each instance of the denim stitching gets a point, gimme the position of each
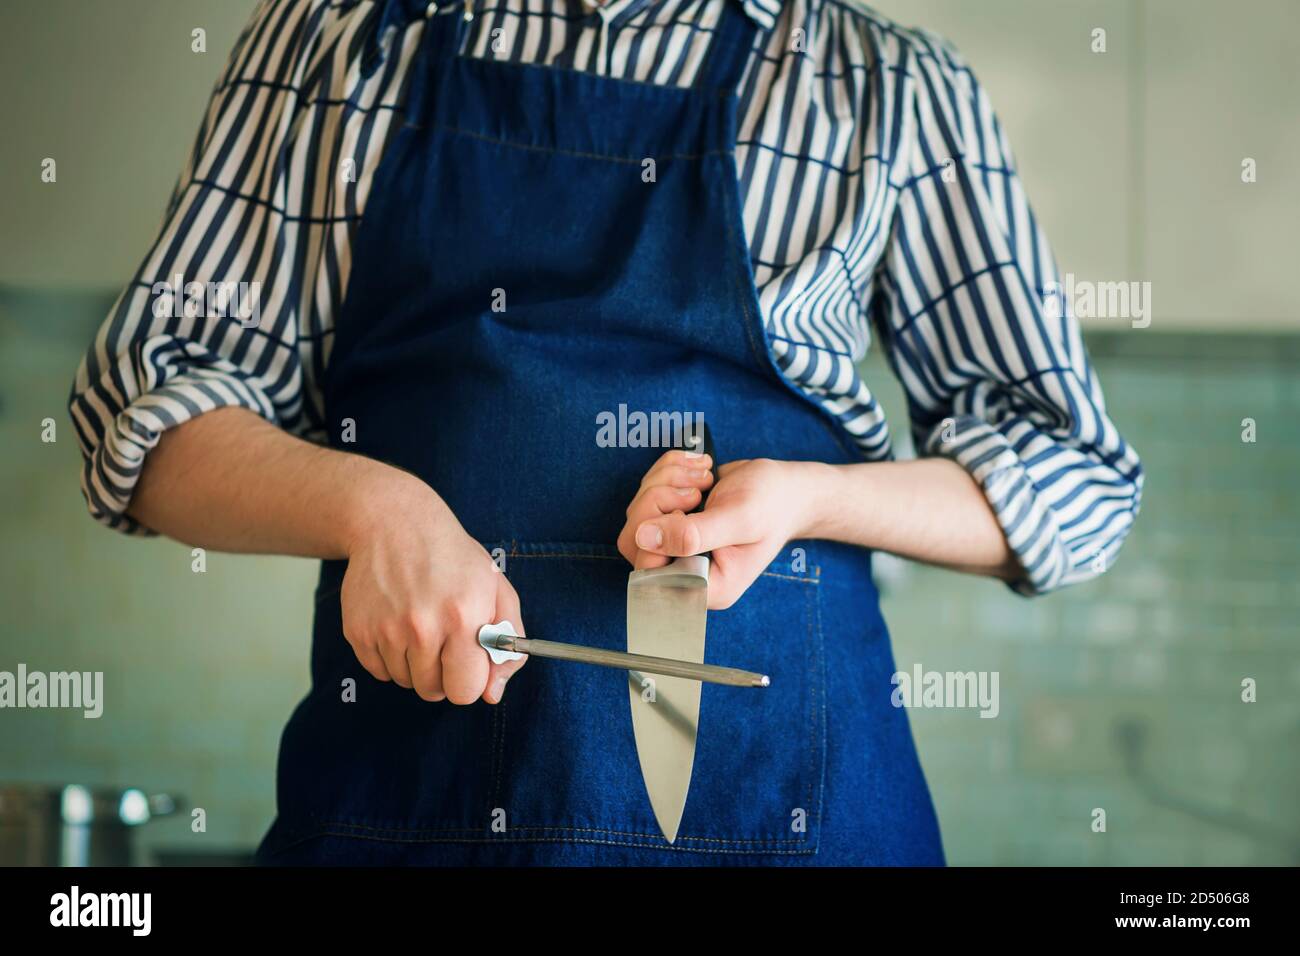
(541, 829)
(574, 153)
(818, 780)
(498, 753)
(771, 851)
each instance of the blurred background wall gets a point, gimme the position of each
(1123, 695)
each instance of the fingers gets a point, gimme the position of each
(676, 482)
(662, 500)
(392, 648)
(464, 662)
(680, 534)
(507, 610)
(363, 646)
(680, 468)
(412, 602)
(372, 661)
(433, 652)
(424, 656)
(653, 502)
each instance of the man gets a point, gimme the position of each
(476, 229)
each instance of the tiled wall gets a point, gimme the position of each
(1205, 593)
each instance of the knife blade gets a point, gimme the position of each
(667, 609)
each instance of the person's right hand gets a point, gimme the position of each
(416, 591)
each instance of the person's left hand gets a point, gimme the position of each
(756, 507)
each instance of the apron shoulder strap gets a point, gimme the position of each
(444, 32)
(384, 18)
(729, 50)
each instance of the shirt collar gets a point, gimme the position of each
(762, 12)
(618, 12)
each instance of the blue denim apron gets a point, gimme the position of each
(530, 183)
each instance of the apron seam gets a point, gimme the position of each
(374, 832)
(572, 153)
(544, 828)
(498, 753)
(487, 841)
(747, 293)
(813, 612)
(817, 769)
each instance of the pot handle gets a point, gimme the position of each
(135, 808)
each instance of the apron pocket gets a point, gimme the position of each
(565, 767)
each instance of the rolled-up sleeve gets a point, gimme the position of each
(210, 319)
(995, 371)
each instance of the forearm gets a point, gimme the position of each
(928, 510)
(230, 481)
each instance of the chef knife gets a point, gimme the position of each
(666, 610)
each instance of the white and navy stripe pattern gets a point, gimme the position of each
(878, 190)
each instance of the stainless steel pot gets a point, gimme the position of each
(73, 825)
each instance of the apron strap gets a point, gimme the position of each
(729, 50)
(444, 32)
(386, 18)
(724, 64)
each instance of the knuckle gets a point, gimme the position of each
(423, 630)
(425, 640)
(454, 615)
(357, 638)
(356, 631)
(388, 634)
(673, 536)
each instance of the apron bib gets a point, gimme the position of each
(543, 249)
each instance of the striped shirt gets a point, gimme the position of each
(879, 195)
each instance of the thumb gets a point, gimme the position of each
(681, 534)
(507, 610)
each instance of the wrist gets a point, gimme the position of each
(814, 492)
(378, 494)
